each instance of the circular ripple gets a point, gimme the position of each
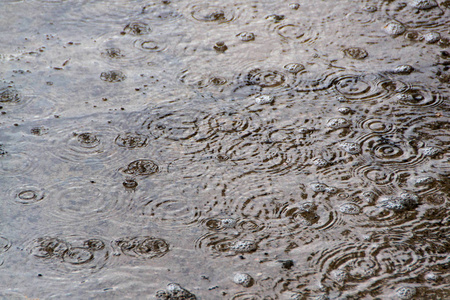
(23, 103)
(391, 152)
(149, 45)
(15, 164)
(212, 14)
(362, 265)
(131, 140)
(300, 33)
(376, 174)
(366, 87)
(28, 194)
(225, 224)
(174, 124)
(87, 144)
(413, 14)
(419, 96)
(142, 246)
(376, 125)
(141, 167)
(80, 199)
(225, 244)
(123, 50)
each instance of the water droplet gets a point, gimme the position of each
(220, 47)
(211, 13)
(243, 279)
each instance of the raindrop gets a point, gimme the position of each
(356, 53)
(394, 28)
(246, 36)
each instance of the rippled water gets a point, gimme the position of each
(225, 149)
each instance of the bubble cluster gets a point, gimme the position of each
(112, 76)
(356, 53)
(143, 246)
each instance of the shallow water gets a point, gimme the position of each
(224, 149)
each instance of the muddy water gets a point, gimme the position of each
(224, 149)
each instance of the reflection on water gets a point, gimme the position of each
(224, 150)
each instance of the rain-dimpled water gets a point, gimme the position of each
(236, 150)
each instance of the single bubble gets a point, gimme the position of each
(264, 99)
(394, 28)
(431, 151)
(220, 47)
(344, 110)
(244, 246)
(130, 184)
(294, 68)
(356, 53)
(246, 36)
(337, 123)
(432, 37)
(243, 279)
(174, 291)
(131, 140)
(294, 6)
(87, 139)
(403, 69)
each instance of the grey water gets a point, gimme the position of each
(228, 149)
